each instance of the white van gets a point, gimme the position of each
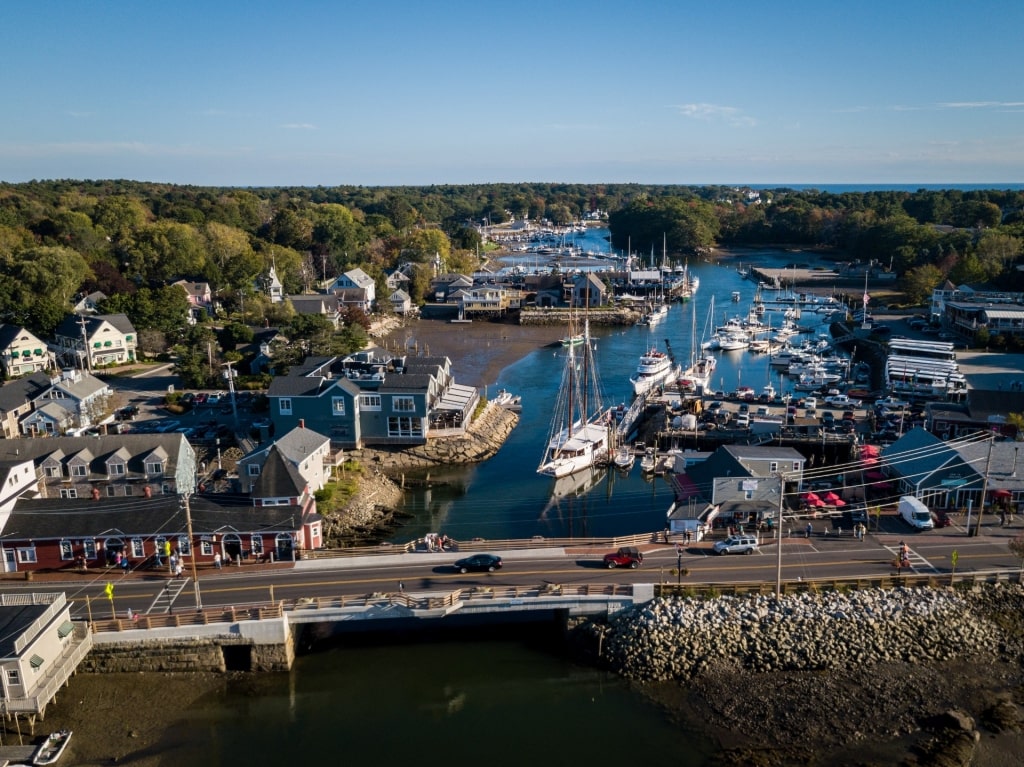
(915, 513)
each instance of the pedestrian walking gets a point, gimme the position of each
(401, 587)
(809, 529)
(217, 561)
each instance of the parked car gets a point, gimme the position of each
(736, 544)
(127, 413)
(201, 398)
(941, 518)
(626, 556)
(486, 563)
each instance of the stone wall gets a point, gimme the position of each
(598, 316)
(482, 439)
(181, 655)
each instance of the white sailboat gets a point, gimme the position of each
(579, 426)
(696, 377)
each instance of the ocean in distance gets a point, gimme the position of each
(842, 188)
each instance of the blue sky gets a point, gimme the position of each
(335, 92)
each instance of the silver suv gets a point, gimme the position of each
(736, 544)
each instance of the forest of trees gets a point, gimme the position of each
(129, 239)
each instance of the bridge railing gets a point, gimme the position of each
(483, 544)
(425, 601)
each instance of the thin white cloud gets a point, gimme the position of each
(299, 126)
(715, 112)
(112, 148)
(981, 104)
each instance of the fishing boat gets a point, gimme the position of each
(51, 749)
(624, 458)
(578, 437)
(572, 340)
(650, 460)
(654, 369)
(509, 401)
(735, 296)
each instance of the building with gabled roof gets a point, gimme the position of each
(308, 451)
(22, 353)
(96, 341)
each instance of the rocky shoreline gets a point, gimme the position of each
(903, 674)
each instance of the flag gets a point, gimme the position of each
(866, 299)
(109, 591)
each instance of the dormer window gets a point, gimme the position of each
(154, 467)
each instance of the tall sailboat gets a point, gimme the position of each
(579, 432)
(702, 364)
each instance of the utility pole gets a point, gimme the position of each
(85, 342)
(192, 551)
(778, 533)
(230, 375)
(984, 485)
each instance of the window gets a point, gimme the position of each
(79, 470)
(13, 677)
(52, 471)
(796, 466)
(256, 543)
(253, 469)
(65, 550)
(111, 491)
(748, 494)
(403, 426)
(115, 469)
(89, 547)
(138, 548)
(206, 547)
(27, 555)
(68, 492)
(284, 406)
(369, 401)
(184, 546)
(338, 405)
(403, 404)
(773, 467)
(156, 467)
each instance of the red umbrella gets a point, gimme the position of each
(869, 461)
(816, 502)
(1001, 493)
(833, 499)
(869, 450)
(810, 497)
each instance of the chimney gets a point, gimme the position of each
(302, 423)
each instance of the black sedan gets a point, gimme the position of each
(479, 563)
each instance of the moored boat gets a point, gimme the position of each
(579, 426)
(654, 369)
(51, 749)
(624, 458)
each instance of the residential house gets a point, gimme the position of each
(200, 299)
(355, 288)
(108, 466)
(307, 451)
(73, 400)
(318, 303)
(104, 339)
(89, 303)
(983, 410)
(484, 300)
(399, 279)
(401, 302)
(16, 401)
(266, 347)
(372, 398)
(444, 287)
(41, 648)
(21, 352)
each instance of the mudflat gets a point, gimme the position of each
(479, 350)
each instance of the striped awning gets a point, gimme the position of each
(65, 628)
(36, 661)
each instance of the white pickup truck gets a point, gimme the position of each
(841, 401)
